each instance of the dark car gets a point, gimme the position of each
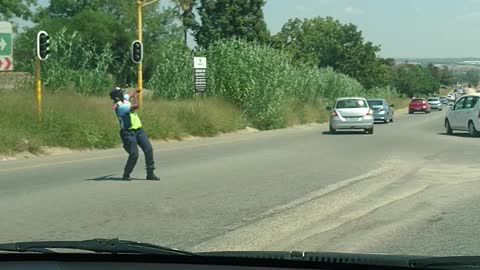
(382, 111)
(419, 105)
(444, 100)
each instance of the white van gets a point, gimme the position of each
(464, 115)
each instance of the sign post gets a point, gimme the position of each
(6, 47)
(200, 75)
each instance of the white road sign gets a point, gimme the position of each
(199, 62)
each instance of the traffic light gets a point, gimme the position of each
(43, 45)
(137, 51)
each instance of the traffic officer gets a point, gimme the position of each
(132, 132)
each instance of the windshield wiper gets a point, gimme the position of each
(112, 246)
(329, 258)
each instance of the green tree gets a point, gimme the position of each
(184, 9)
(110, 23)
(446, 76)
(16, 8)
(324, 42)
(472, 77)
(230, 19)
(435, 71)
(414, 80)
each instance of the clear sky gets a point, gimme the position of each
(403, 28)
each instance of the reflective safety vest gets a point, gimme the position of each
(128, 120)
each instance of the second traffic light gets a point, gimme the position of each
(43, 45)
(137, 51)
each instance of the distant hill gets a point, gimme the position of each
(457, 64)
(440, 61)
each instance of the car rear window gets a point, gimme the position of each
(375, 102)
(351, 103)
(433, 99)
(418, 100)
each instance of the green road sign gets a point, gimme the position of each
(5, 44)
(6, 48)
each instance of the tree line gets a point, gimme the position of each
(109, 25)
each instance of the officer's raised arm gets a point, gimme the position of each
(136, 105)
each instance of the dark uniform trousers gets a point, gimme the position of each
(132, 138)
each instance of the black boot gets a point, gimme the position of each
(151, 176)
(126, 177)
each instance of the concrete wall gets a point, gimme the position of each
(10, 81)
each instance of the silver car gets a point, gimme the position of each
(351, 113)
(435, 103)
(382, 111)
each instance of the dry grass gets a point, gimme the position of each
(78, 122)
(399, 102)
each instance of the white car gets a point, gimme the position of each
(464, 115)
(351, 113)
(435, 103)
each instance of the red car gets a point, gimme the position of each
(419, 105)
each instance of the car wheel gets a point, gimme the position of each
(385, 121)
(369, 130)
(427, 111)
(391, 119)
(410, 112)
(448, 128)
(472, 131)
(332, 130)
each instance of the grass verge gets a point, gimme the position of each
(399, 102)
(79, 122)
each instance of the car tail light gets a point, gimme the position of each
(370, 112)
(334, 113)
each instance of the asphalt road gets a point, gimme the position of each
(406, 189)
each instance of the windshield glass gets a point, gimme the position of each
(418, 101)
(375, 102)
(351, 103)
(220, 125)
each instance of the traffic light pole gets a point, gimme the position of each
(140, 5)
(139, 66)
(42, 51)
(38, 87)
